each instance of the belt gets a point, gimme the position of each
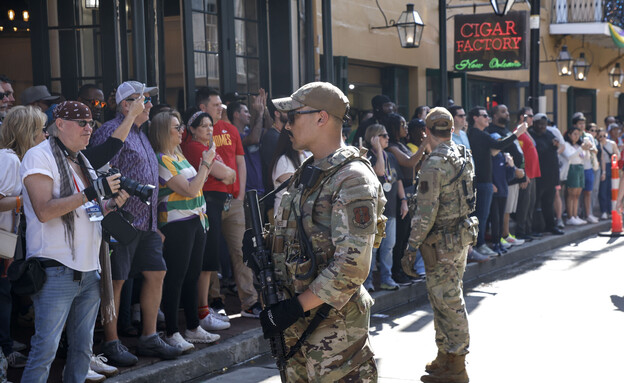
(54, 263)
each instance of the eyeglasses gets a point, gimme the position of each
(83, 123)
(180, 128)
(592, 130)
(600, 137)
(2, 95)
(291, 114)
(98, 103)
(147, 99)
(460, 115)
(384, 135)
(484, 115)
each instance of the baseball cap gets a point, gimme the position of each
(440, 118)
(317, 95)
(232, 97)
(36, 93)
(128, 88)
(540, 116)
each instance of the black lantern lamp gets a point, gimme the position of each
(502, 11)
(616, 76)
(410, 27)
(564, 62)
(581, 68)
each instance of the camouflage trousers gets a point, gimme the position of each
(338, 350)
(445, 271)
(3, 367)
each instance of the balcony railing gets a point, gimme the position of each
(588, 11)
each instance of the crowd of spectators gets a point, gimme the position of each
(189, 230)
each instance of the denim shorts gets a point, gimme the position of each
(142, 254)
(589, 180)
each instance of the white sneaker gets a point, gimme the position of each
(603, 217)
(98, 364)
(573, 221)
(505, 244)
(485, 250)
(178, 342)
(581, 221)
(211, 323)
(514, 241)
(221, 317)
(592, 219)
(199, 335)
(94, 377)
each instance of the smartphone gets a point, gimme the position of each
(360, 141)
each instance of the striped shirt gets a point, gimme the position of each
(173, 207)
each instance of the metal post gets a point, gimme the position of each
(138, 41)
(533, 99)
(443, 63)
(328, 51)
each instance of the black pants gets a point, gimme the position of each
(403, 228)
(214, 208)
(545, 195)
(497, 212)
(526, 206)
(183, 251)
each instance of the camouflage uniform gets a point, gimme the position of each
(339, 216)
(443, 231)
(3, 367)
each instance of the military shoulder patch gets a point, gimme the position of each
(423, 187)
(361, 217)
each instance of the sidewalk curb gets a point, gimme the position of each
(250, 343)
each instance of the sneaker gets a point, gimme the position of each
(505, 244)
(389, 285)
(16, 359)
(603, 217)
(592, 219)
(560, 224)
(485, 250)
(98, 365)
(252, 312)
(475, 256)
(221, 317)
(19, 346)
(573, 222)
(178, 342)
(581, 221)
(199, 335)
(514, 241)
(212, 323)
(153, 345)
(93, 377)
(118, 354)
(401, 278)
(218, 306)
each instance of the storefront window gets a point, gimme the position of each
(206, 43)
(246, 46)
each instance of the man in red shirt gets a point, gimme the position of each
(526, 196)
(229, 198)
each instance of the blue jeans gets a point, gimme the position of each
(485, 191)
(604, 194)
(63, 303)
(385, 253)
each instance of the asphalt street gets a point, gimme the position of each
(556, 318)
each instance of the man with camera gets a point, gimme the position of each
(137, 161)
(62, 198)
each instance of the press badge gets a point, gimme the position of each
(93, 211)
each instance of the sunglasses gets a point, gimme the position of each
(83, 123)
(147, 99)
(3, 95)
(484, 115)
(98, 103)
(293, 113)
(592, 130)
(384, 135)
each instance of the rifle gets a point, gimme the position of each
(266, 274)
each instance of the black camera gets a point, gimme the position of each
(133, 187)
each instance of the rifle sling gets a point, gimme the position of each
(320, 315)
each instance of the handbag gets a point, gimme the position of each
(9, 240)
(119, 227)
(27, 276)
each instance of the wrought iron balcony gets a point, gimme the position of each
(588, 11)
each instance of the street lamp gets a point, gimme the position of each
(564, 62)
(616, 76)
(581, 68)
(504, 10)
(409, 26)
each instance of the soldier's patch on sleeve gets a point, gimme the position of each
(361, 216)
(423, 187)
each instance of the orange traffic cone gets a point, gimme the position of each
(616, 222)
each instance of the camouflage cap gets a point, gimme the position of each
(317, 95)
(440, 118)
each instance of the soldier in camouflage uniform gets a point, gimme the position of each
(3, 367)
(339, 211)
(443, 230)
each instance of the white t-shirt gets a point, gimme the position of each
(47, 240)
(574, 154)
(10, 184)
(283, 166)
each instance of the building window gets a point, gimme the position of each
(206, 43)
(246, 46)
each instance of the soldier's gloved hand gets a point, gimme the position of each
(407, 262)
(280, 316)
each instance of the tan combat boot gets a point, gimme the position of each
(453, 371)
(437, 363)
